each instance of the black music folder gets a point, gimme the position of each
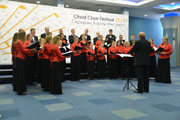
(112, 53)
(33, 45)
(90, 54)
(119, 52)
(77, 48)
(65, 44)
(101, 53)
(62, 50)
(67, 53)
(82, 44)
(160, 49)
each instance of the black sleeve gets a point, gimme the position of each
(133, 49)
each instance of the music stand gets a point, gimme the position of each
(128, 82)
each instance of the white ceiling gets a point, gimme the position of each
(137, 11)
(95, 5)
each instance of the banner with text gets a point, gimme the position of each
(15, 15)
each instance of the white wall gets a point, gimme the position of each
(31, 15)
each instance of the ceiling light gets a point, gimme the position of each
(145, 15)
(172, 3)
(99, 10)
(38, 2)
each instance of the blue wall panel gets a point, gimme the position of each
(152, 27)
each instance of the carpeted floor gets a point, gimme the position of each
(94, 100)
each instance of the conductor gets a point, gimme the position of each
(142, 49)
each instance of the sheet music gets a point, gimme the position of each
(155, 48)
(66, 52)
(125, 55)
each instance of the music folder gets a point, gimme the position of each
(62, 50)
(77, 48)
(90, 54)
(33, 45)
(101, 53)
(112, 53)
(65, 44)
(125, 55)
(67, 53)
(160, 49)
(119, 52)
(82, 44)
(107, 45)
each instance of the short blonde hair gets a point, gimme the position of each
(48, 39)
(56, 39)
(166, 38)
(22, 36)
(126, 43)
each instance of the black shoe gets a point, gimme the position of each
(23, 93)
(146, 91)
(137, 92)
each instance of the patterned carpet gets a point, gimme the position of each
(94, 100)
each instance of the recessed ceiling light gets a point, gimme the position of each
(99, 10)
(172, 3)
(38, 2)
(145, 15)
(66, 5)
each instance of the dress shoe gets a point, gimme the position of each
(138, 92)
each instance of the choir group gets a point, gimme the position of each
(48, 60)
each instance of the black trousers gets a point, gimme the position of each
(119, 65)
(164, 75)
(20, 82)
(36, 68)
(83, 60)
(75, 68)
(55, 83)
(101, 68)
(39, 77)
(30, 64)
(142, 73)
(153, 69)
(14, 73)
(63, 68)
(90, 68)
(112, 68)
(45, 74)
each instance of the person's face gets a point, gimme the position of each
(126, 45)
(83, 37)
(110, 32)
(97, 33)
(121, 37)
(60, 31)
(73, 31)
(42, 41)
(33, 32)
(30, 37)
(86, 31)
(118, 44)
(62, 36)
(132, 37)
(164, 41)
(91, 46)
(101, 38)
(76, 40)
(47, 30)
